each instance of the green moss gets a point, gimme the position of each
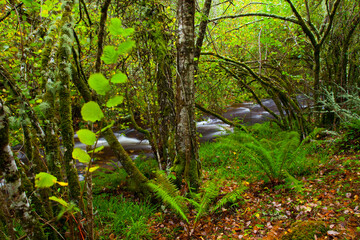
(306, 230)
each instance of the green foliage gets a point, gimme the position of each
(230, 198)
(208, 193)
(110, 55)
(44, 180)
(125, 47)
(122, 217)
(114, 101)
(116, 28)
(105, 181)
(351, 136)
(86, 136)
(91, 112)
(168, 193)
(99, 83)
(119, 78)
(59, 200)
(272, 160)
(81, 155)
(268, 130)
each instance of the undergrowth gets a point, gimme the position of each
(116, 216)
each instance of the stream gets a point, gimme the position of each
(209, 128)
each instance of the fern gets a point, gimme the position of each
(210, 192)
(231, 198)
(292, 182)
(272, 157)
(170, 200)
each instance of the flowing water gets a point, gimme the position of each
(209, 128)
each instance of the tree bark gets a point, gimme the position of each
(8, 169)
(66, 125)
(187, 165)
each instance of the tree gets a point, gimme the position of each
(187, 166)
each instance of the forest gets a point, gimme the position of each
(187, 119)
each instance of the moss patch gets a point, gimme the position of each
(305, 230)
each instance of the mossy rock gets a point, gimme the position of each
(305, 230)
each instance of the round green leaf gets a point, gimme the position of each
(86, 136)
(81, 155)
(44, 180)
(91, 112)
(99, 83)
(110, 55)
(119, 78)
(112, 102)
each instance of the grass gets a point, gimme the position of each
(119, 217)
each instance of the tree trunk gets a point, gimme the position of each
(187, 166)
(66, 125)
(8, 169)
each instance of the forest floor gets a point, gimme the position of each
(330, 196)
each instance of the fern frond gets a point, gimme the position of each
(210, 192)
(231, 197)
(170, 200)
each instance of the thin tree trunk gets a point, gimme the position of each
(187, 166)
(66, 125)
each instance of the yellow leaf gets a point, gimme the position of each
(64, 184)
(93, 169)
(39, 101)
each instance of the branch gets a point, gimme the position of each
(331, 20)
(256, 15)
(258, 100)
(5, 77)
(9, 12)
(225, 120)
(101, 34)
(202, 30)
(303, 25)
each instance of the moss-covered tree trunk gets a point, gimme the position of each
(66, 125)
(187, 166)
(9, 171)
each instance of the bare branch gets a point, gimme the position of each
(256, 15)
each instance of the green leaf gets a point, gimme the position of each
(59, 200)
(99, 83)
(44, 180)
(86, 136)
(119, 78)
(127, 32)
(116, 28)
(125, 47)
(81, 155)
(91, 112)
(98, 149)
(110, 55)
(112, 102)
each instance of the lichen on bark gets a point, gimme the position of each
(66, 125)
(8, 169)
